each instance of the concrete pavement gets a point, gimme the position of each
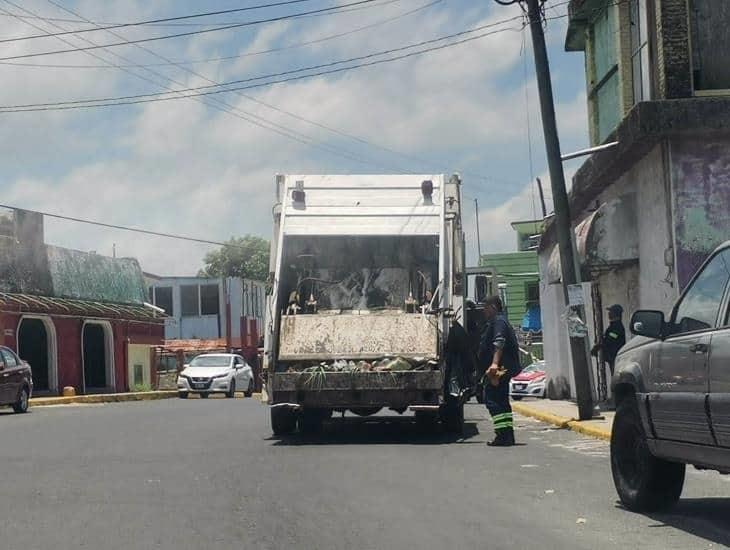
(207, 474)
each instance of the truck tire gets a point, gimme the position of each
(283, 420)
(426, 421)
(452, 416)
(312, 420)
(644, 483)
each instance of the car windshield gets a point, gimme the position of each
(211, 361)
(535, 367)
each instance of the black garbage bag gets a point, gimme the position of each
(460, 364)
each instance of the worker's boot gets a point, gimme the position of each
(504, 438)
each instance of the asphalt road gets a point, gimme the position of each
(206, 474)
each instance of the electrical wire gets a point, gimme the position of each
(218, 105)
(222, 58)
(188, 24)
(149, 21)
(206, 90)
(332, 9)
(123, 227)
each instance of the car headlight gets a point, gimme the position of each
(219, 376)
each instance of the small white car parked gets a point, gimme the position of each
(216, 373)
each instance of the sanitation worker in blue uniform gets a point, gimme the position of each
(499, 352)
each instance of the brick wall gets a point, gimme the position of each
(673, 56)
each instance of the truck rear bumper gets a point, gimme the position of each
(356, 390)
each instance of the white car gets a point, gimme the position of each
(531, 382)
(216, 373)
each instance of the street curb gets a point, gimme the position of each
(563, 422)
(103, 398)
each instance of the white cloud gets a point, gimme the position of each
(185, 167)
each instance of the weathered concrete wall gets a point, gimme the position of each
(701, 186)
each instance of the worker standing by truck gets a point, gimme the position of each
(498, 350)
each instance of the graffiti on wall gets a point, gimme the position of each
(701, 179)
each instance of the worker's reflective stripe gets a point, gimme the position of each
(503, 421)
(613, 334)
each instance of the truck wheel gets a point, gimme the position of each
(283, 420)
(311, 421)
(426, 421)
(452, 417)
(644, 482)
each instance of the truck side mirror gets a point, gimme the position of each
(648, 323)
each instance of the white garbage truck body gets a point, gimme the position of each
(366, 285)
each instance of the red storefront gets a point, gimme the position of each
(93, 346)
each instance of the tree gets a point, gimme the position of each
(246, 257)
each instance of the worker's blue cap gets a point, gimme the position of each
(616, 310)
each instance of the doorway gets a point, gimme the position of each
(37, 346)
(97, 356)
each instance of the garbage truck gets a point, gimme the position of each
(365, 306)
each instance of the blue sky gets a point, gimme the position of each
(185, 166)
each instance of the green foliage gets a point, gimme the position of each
(141, 388)
(246, 257)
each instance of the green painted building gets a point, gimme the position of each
(518, 274)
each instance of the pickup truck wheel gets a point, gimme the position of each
(21, 405)
(644, 482)
(283, 420)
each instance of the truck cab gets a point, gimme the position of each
(367, 299)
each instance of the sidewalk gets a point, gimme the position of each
(563, 414)
(103, 398)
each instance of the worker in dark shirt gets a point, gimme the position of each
(499, 354)
(613, 339)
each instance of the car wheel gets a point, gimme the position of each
(231, 393)
(283, 420)
(182, 394)
(204, 395)
(21, 405)
(249, 391)
(644, 482)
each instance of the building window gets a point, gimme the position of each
(604, 78)
(532, 292)
(710, 44)
(163, 298)
(189, 300)
(640, 59)
(209, 301)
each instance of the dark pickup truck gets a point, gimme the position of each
(672, 390)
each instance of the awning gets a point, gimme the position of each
(29, 303)
(605, 239)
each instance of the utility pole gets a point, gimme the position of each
(569, 265)
(479, 239)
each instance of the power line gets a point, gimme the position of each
(121, 227)
(188, 24)
(222, 58)
(199, 75)
(150, 21)
(155, 97)
(218, 105)
(332, 9)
